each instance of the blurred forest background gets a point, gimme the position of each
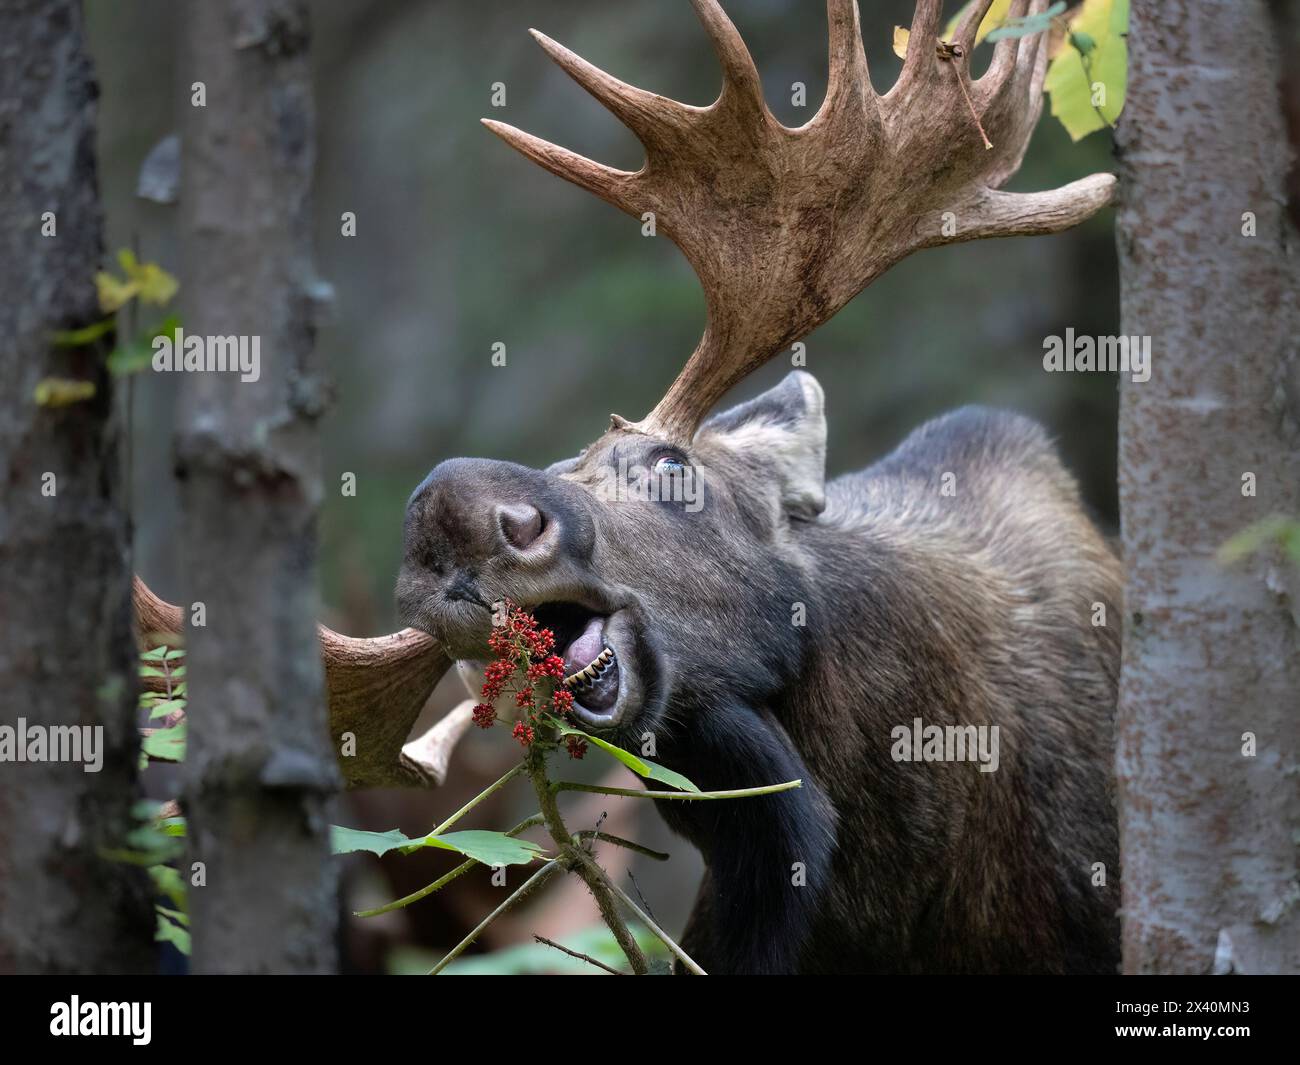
(461, 243)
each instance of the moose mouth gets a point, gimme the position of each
(593, 672)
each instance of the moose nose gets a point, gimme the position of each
(520, 523)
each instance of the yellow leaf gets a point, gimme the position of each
(156, 284)
(112, 292)
(900, 41)
(62, 391)
(993, 18)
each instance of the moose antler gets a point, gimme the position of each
(377, 689)
(784, 226)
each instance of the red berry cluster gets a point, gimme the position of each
(523, 663)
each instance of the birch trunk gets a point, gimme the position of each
(1211, 652)
(260, 771)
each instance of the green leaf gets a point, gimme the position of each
(168, 883)
(1279, 530)
(1083, 43)
(596, 941)
(490, 848)
(1100, 27)
(137, 354)
(1027, 25)
(166, 744)
(79, 338)
(62, 391)
(641, 766)
(168, 931)
(167, 706)
(155, 655)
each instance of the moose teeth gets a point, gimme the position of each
(591, 672)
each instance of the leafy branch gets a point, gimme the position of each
(525, 668)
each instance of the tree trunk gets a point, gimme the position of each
(66, 647)
(1211, 651)
(260, 771)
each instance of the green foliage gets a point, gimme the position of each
(1276, 530)
(136, 355)
(490, 848)
(539, 959)
(641, 766)
(1093, 58)
(144, 283)
(166, 744)
(156, 842)
(1024, 26)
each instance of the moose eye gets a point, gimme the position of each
(669, 465)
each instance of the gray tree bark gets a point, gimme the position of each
(66, 646)
(260, 769)
(1211, 652)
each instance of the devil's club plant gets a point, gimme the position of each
(523, 664)
(525, 668)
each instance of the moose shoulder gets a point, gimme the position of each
(763, 625)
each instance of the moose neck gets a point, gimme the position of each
(768, 857)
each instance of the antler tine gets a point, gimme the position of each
(969, 26)
(741, 84)
(1015, 102)
(650, 116)
(619, 187)
(848, 61)
(1010, 214)
(1038, 65)
(1005, 52)
(925, 28)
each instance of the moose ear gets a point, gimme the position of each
(785, 426)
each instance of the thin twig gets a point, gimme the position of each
(525, 889)
(576, 954)
(642, 916)
(593, 835)
(619, 841)
(519, 768)
(641, 894)
(739, 793)
(961, 84)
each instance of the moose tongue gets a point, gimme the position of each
(588, 644)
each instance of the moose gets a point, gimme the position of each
(787, 626)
